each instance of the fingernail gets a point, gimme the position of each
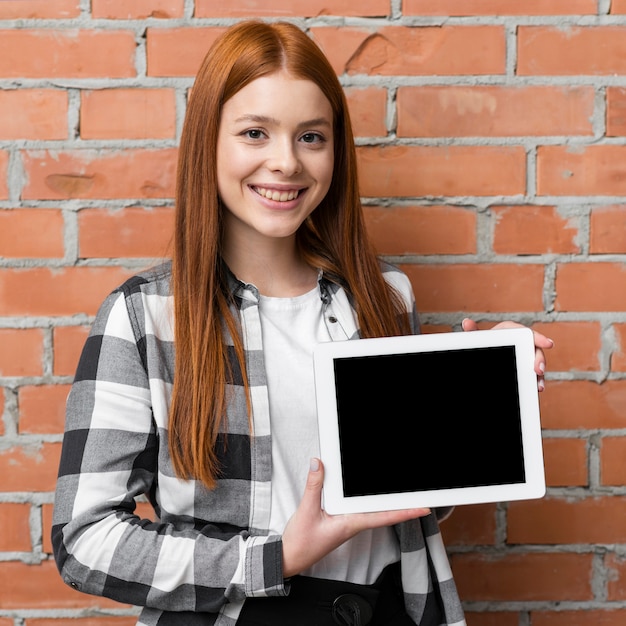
(314, 465)
(542, 367)
(541, 385)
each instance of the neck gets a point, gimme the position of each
(278, 271)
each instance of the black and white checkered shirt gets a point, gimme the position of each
(210, 550)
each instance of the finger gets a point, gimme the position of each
(541, 341)
(389, 518)
(467, 324)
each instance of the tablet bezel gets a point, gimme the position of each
(334, 500)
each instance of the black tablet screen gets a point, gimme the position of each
(429, 420)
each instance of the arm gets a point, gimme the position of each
(114, 449)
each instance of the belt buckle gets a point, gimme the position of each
(350, 609)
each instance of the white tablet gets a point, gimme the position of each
(429, 420)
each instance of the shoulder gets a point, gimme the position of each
(141, 295)
(153, 281)
(401, 285)
(397, 279)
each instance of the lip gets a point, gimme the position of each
(283, 195)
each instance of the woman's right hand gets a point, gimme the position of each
(310, 533)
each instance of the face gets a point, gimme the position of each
(274, 157)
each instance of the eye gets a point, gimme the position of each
(312, 138)
(254, 133)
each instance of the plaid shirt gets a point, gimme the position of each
(210, 550)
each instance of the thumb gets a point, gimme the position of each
(314, 482)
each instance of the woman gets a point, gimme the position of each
(271, 256)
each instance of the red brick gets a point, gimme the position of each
(586, 170)
(33, 113)
(414, 51)
(42, 408)
(453, 8)
(618, 7)
(137, 10)
(289, 8)
(607, 230)
(484, 287)
(83, 621)
(15, 524)
(39, 9)
(21, 351)
(18, 580)
(523, 577)
(577, 345)
(470, 525)
(534, 230)
(586, 617)
(67, 54)
(441, 170)
(558, 521)
(618, 358)
(178, 51)
(68, 342)
(128, 114)
(567, 405)
(132, 232)
(452, 111)
(29, 468)
(583, 287)
(571, 51)
(368, 110)
(615, 111)
(34, 233)
(436, 328)
(612, 467)
(144, 510)
(440, 229)
(496, 618)
(566, 462)
(100, 174)
(45, 291)
(616, 585)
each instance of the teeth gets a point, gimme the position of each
(277, 196)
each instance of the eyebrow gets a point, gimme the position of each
(264, 119)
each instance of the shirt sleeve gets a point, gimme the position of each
(111, 455)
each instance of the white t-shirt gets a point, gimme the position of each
(290, 328)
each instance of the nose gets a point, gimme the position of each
(284, 158)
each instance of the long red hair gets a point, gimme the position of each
(332, 239)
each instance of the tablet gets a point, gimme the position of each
(429, 420)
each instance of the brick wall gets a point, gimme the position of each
(491, 137)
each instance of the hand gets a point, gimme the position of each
(310, 533)
(541, 343)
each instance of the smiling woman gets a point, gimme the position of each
(196, 385)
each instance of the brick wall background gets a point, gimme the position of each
(492, 141)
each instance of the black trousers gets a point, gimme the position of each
(319, 602)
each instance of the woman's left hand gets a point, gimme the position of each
(541, 343)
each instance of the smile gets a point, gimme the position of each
(276, 195)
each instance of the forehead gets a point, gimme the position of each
(279, 95)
